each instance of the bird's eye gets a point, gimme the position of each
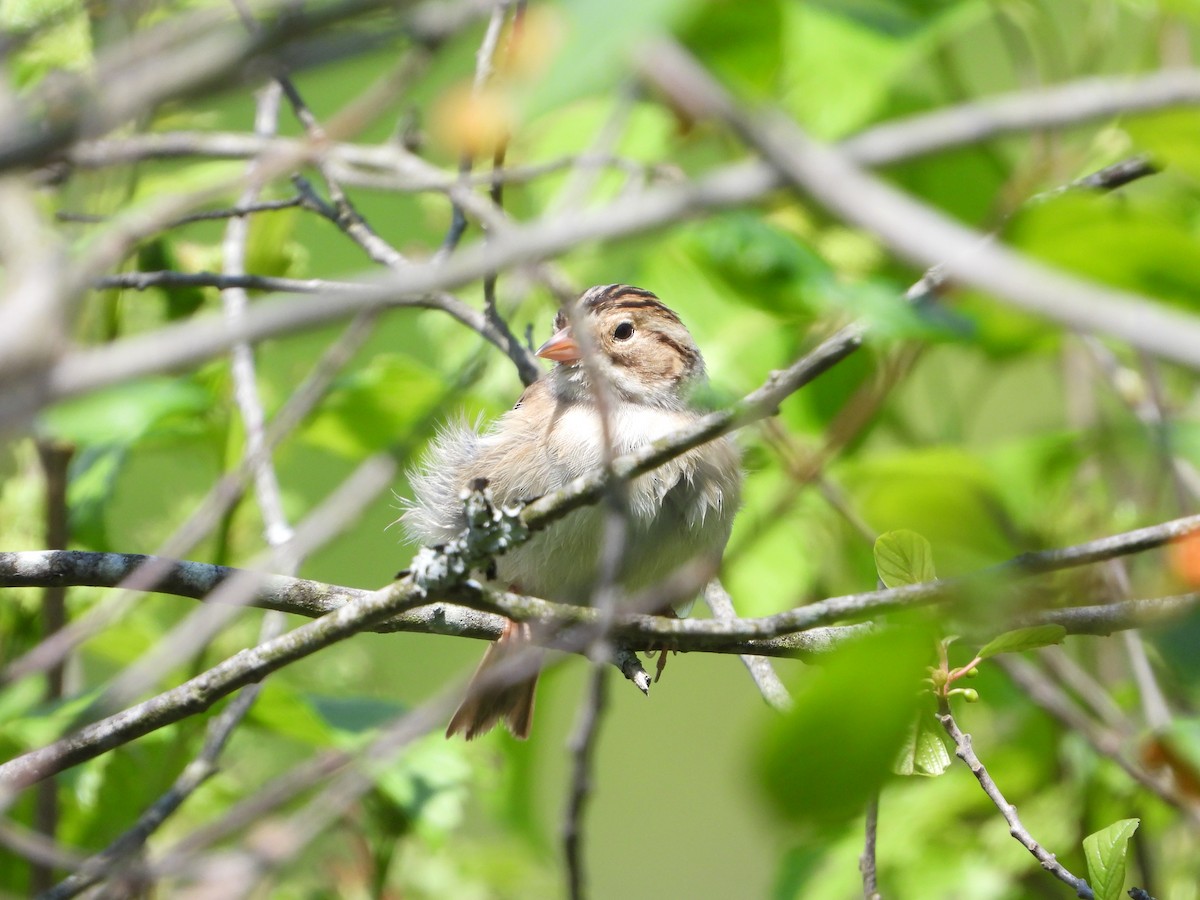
(624, 331)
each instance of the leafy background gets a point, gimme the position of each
(997, 434)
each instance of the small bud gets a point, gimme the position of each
(970, 695)
(973, 672)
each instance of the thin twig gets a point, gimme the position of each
(228, 212)
(765, 677)
(885, 144)
(866, 862)
(582, 747)
(55, 459)
(965, 752)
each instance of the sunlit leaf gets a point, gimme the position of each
(282, 710)
(821, 761)
(271, 249)
(61, 40)
(924, 751)
(944, 494)
(1121, 244)
(93, 476)
(772, 268)
(1023, 639)
(123, 415)
(903, 557)
(1169, 137)
(741, 42)
(430, 784)
(1105, 851)
(369, 409)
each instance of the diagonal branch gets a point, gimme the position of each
(919, 234)
(965, 752)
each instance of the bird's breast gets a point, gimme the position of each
(677, 512)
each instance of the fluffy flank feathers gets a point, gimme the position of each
(435, 514)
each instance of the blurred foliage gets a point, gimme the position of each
(969, 432)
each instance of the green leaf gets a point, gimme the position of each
(846, 73)
(797, 867)
(944, 493)
(1023, 639)
(93, 477)
(903, 557)
(924, 751)
(282, 710)
(741, 43)
(1105, 853)
(114, 789)
(431, 784)
(766, 264)
(124, 415)
(105, 426)
(372, 407)
(271, 249)
(1170, 137)
(355, 714)
(1128, 245)
(60, 40)
(821, 762)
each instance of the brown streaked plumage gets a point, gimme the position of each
(679, 512)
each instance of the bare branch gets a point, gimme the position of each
(866, 862)
(583, 748)
(1057, 106)
(761, 636)
(195, 54)
(889, 143)
(205, 216)
(965, 752)
(765, 678)
(917, 233)
(54, 459)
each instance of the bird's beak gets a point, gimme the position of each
(561, 347)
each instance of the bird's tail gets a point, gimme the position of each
(488, 704)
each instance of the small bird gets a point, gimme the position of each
(679, 512)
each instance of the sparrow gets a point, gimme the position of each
(678, 513)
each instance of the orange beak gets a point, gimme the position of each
(561, 347)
